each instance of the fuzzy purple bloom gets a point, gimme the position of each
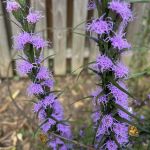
(38, 42)
(34, 16)
(120, 70)
(122, 139)
(102, 100)
(120, 96)
(21, 40)
(48, 83)
(64, 130)
(23, 67)
(111, 145)
(98, 97)
(42, 116)
(107, 121)
(95, 93)
(122, 114)
(104, 63)
(100, 26)
(122, 8)
(95, 116)
(46, 126)
(91, 5)
(34, 89)
(55, 143)
(101, 131)
(43, 73)
(48, 100)
(12, 5)
(120, 129)
(58, 110)
(118, 42)
(38, 106)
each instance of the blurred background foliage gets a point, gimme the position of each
(140, 86)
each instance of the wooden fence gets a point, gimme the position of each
(61, 16)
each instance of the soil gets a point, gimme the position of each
(18, 123)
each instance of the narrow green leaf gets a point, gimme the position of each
(124, 110)
(81, 99)
(138, 1)
(122, 89)
(39, 127)
(74, 28)
(94, 71)
(136, 75)
(90, 37)
(47, 57)
(83, 66)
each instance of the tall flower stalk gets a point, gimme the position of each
(47, 106)
(110, 99)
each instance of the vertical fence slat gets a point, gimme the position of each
(41, 26)
(4, 48)
(59, 25)
(79, 15)
(135, 26)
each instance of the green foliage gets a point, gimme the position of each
(139, 1)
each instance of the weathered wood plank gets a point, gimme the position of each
(4, 48)
(79, 15)
(135, 26)
(59, 8)
(41, 26)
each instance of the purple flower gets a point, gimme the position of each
(102, 99)
(23, 67)
(38, 106)
(12, 5)
(107, 122)
(101, 130)
(46, 126)
(119, 42)
(43, 73)
(120, 70)
(55, 143)
(95, 94)
(95, 117)
(100, 26)
(98, 97)
(122, 8)
(64, 130)
(111, 145)
(34, 16)
(42, 115)
(21, 39)
(91, 5)
(120, 96)
(49, 100)
(122, 114)
(104, 63)
(48, 83)
(48, 109)
(34, 89)
(122, 139)
(38, 42)
(58, 112)
(120, 129)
